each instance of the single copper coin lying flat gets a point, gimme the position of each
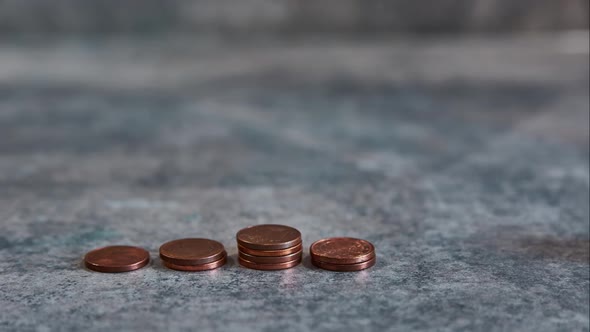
(271, 259)
(195, 268)
(345, 267)
(276, 266)
(192, 251)
(116, 259)
(342, 250)
(268, 237)
(271, 253)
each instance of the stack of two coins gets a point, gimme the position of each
(269, 247)
(193, 254)
(343, 254)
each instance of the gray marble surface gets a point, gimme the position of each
(464, 161)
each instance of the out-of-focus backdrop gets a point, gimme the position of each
(288, 18)
(452, 134)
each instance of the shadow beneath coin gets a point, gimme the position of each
(231, 261)
(82, 265)
(307, 263)
(157, 265)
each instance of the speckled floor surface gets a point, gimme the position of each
(464, 161)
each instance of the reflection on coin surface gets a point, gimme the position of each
(115, 259)
(268, 237)
(345, 267)
(271, 253)
(195, 268)
(271, 260)
(277, 266)
(192, 251)
(342, 250)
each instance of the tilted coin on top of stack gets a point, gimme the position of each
(269, 247)
(193, 254)
(343, 254)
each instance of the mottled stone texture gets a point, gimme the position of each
(464, 161)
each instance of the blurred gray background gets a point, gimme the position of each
(454, 135)
(286, 18)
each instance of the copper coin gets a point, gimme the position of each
(345, 267)
(271, 260)
(192, 251)
(268, 237)
(342, 250)
(270, 253)
(195, 268)
(277, 266)
(116, 259)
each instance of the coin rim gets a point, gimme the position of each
(116, 269)
(180, 261)
(269, 267)
(274, 246)
(196, 268)
(271, 253)
(334, 260)
(271, 259)
(345, 267)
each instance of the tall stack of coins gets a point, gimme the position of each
(193, 254)
(269, 247)
(343, 254)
